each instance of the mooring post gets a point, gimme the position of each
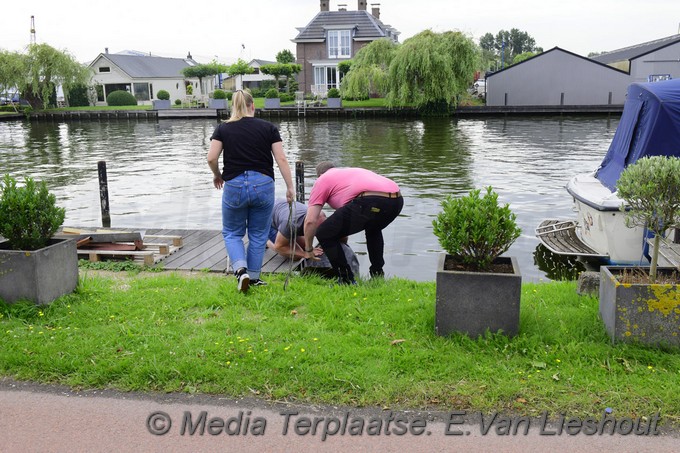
(104, 194)
(300, 181)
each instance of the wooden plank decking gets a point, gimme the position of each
(204, 250)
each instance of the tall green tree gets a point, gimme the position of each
(45, 68)
(240, 68)
(281, 70)
(501, 49)
(202, 71)
(431, 70)
(369, 70)
(285, 56)
(11, 70)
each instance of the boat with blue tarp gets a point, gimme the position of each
(649, 126)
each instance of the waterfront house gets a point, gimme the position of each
(334, 36)
(144, 75)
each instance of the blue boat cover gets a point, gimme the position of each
(649, 126)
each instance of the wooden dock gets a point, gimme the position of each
(200, 250)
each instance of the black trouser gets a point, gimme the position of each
(372, 214)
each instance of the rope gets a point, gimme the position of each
(292, 228)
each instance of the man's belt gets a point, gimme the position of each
(370, 193)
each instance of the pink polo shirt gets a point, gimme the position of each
(339, 186)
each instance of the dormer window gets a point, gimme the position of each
(339, 44)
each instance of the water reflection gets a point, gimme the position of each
(557, 267)
(158, 175)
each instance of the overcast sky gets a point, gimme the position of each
(227, 29)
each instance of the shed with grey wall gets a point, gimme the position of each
(557, 77)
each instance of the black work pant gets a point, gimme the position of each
(371, 214)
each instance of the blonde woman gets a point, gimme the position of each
(249, 146)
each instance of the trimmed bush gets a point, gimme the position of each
(29, 215)
(178, 102)
(120, 98)
(333, 93)
(272, 93)
(476, 229)
(78, 96)
(230, 94)
(219, 94)
(163, 95)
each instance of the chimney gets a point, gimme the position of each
(189, 56)
(362, 5)
(375, 10)
(324, 5)
(342, 7)
(106, 50)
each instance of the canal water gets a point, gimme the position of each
(158, 176)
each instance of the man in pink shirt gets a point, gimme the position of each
(362, 200)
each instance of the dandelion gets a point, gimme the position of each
(302, 349)
(228, 362)
(286, 348)
(315, 339)
(558, 360)
(40, 313)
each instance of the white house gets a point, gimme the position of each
(250, 81)
(144, 75)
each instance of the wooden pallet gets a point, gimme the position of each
(115, 244)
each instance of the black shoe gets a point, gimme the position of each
(376, 274)
(243, 280)
(258, 282)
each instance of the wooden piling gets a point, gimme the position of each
(104, 194)
(300, 181)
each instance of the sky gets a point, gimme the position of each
(225, 30)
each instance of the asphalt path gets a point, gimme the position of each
(47, 418)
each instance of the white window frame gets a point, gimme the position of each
(339, 43)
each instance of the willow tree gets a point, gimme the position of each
(45, 69)
(431, 70)
(370, 69)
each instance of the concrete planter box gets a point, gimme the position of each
(474, 302)
(272, 103)
(219, 104)
(639, 312)
(334, 103)
(159, 104)
(39, 275)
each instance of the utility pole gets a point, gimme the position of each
(32, 30)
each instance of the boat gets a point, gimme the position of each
(649, 126)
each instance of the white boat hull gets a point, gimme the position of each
(601, 225)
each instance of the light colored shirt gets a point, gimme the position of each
(339, 186)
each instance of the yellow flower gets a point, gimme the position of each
(301, 349)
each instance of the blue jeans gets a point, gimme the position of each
(247, 204)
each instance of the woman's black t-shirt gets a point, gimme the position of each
(247, 145)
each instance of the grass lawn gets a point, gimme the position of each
(368, 345)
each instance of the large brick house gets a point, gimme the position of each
(334, 36)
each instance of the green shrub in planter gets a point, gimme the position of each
(272, 93)
(219, 94)
(333, 93)
(29, 216)
(230, 94)
(476, 229)
(178, 102)
(651, 188)
(163, 95)
(120, 98)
